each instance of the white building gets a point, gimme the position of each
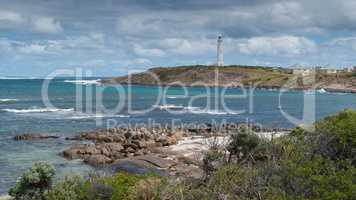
(220, 51)
(303, 72)
(331, 71)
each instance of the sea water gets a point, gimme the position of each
(23, 111)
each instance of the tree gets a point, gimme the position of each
(33, 184)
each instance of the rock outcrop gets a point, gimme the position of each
(34, 137)
(111, 145)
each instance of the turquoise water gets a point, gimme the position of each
(22, 110)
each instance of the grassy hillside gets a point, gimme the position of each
(236, 75)
(209, 75)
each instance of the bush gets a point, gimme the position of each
(334, 137)
(302, 165)
(146, 189)
(71, 188)
(99, 191)
(121, 184)
(33, 184)
(321, 164)
(242, 145)
(211, 161)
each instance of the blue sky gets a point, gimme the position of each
(113, 37)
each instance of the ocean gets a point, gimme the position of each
(79, 106)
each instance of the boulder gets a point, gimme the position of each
(114, 147)
(71, 154)
(166, 141)
(130, 150)
(139, 143)
(118, 138)
(90, 149)
(150, 144)
(80, 151)
(97, 160)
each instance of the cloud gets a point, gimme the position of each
(139, 50)
(92, 43)
(33, 49)
(192, 47)
(142, 61)
(5, 46)
(21, 22)
(11, 17)
(171, 32)
(348, 43)
(46, 25)
(278, 46)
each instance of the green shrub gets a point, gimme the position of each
(99, 191)
(242, 145)
(34, 183)
(146, 189)
(337, 136)
(211, 161)
(121, 184)
(70, 188)
(321, 164)
(319, 178)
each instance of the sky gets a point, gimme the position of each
(113, 37)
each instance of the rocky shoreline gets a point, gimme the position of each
(158, 149)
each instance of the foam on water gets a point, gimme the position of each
(84, 82)
(37, 110)
(193, 110)
(168, 106)
(90, 116)
(17, 78)
(8, 100)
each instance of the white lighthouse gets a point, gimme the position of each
(220, 51)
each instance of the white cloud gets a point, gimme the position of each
(142, 61)
(5, 45)
(46, 25)
(139, 50)
(283, 45)
(9, 16)
(91, 43)
(288, 14)
(33, 49)
(344, 42)
(188, 47)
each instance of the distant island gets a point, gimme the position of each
(247, 76)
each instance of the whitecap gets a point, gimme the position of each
(37, 110)
(193, 110)
(84, 82)
(8, 100)
(210, 112)
(90, 116)
(322, 91)
(18, 78)
(168, 106)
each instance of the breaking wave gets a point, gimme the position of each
(84, 82)
(176, 97)
(91, 116)
(8, 100)
(37, 110)
(169, 106)
(17, 78)
(193, 110)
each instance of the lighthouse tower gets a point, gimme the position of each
(220, 51)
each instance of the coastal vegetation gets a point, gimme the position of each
(320, 164)
(237, 76)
